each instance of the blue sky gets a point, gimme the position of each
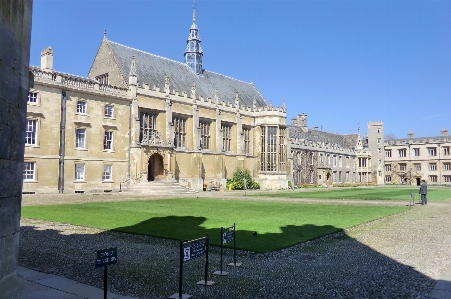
(343, 63)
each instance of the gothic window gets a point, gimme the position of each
(204, 134)
(282, 149)
(247, 140)
(226, 139)
(148, 126)
(269, 149)
(179, 132)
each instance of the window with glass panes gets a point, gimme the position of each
(179, 131)
(108, 140)
(80, 138)
(79, 172)
(148, 126)
(28, 171)
(417, 166)
(32, 98)
(81, 107)
(204, 134)
(282, 149)
(109, 111)
(31, 132)
(107, 172)
(247, 140)
(226, 137)
(269, 149)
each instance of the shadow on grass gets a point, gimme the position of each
(189, 227)
(148, 267)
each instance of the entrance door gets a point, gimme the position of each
(418, 182)
(155, 168)
(150, 172)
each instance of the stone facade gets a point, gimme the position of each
(409, 160)
(15, 30)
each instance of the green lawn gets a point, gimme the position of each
(278, 225)
(363, 193)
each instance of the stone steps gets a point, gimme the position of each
(160, 188)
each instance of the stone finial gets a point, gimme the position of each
(166, 84)
(47, 59)
(444, 132)
(237, 99)
(193, 91)
(216, 96)
(410, 134)
(283, 104)
(254, 103)
(132, 78)
(104, 34)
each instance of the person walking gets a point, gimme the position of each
(423, 191)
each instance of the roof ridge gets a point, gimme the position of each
(230, 77)
(182, 63)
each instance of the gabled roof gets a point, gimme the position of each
(152, 69)
(344, 141)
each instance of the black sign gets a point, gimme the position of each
(194, 250)
(227, 237)
(106, 257)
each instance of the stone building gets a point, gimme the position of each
(324, 158)
(409, 160)
(139, 117)
(15, 33)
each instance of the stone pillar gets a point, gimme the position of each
(15, 33)
(218, 131)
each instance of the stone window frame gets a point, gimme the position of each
(446, 166)
(433, 178)
(80, 137)
(108, 140)
(246, 140)
(387, 167)
(417, 166)
(33, 133)
(205, 134)
(388, 153)
(179, 131)
(82, 107)
(416, 152)
(402, 167)
(109, 111)
(226, 130)
(147, 124)
(432, 166)
(33, 98)
(447, 178)
(268, 155)
(446, 151)
(402, 152)
(107, 173)
(29, 168)
(79, 172)
(432, 151)
(387, 179)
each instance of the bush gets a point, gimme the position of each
(239, 179)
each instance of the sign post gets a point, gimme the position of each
(190, 250)
(106, 257)
(234, 248)
(412, 199)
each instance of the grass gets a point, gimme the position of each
(277, 224)
(363, 193)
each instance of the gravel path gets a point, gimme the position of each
(397, 257)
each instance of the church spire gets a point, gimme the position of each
(193, 52)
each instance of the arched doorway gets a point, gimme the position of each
(155, 168)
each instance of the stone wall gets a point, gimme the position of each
(15, 32)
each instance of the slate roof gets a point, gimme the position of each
(441, 138)
(152, 69)
(344, 141)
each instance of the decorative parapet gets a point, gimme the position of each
(76, 82)
(155, 139)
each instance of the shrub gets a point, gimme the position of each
(239, 178)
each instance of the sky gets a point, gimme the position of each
(343, 63)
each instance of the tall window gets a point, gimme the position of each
(108, 140)
(446, 151)
(79, 172)
(388, 153)
(247, 140)
(402, 167)
(81, 107)
(432, 151)
(179, 131)
(446, 166)
(226, 139)
(148, 125)
(416, 152)
(107, 172)
(433, 178)
(28, 171)
(80, 138)
(402, 152)
(269, 149)
(32, 98)
(282, 149)
(31, 132)
(204, 134)
(387, 167)
(109, 111)
(417, 166)
(447, 178)
(388, 179)
(432, 166)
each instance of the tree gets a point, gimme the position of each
(390, 136)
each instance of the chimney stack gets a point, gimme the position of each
(47, 59)
(444, 132)
(300, 121)
(410, 134)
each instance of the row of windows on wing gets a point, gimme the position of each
(309, 178)
(82, 106)
(431, 179)
(30, 172)
(148, 129)
(323, 159)
(31, 136)
(431, 152)
(417, 166)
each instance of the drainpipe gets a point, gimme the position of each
(62, 143)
